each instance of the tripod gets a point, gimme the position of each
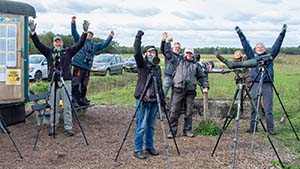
(155, 85)
(262, 72)
(241, 86)
(5, 130)
(55, 79)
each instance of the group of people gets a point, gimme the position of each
(61, 59)
(182, 74)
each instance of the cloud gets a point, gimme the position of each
(238, 16)
(82, 7)
(270, 1)
(272, 17)
(189, 15)
(142, 12)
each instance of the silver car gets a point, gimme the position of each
(108, 64)
(38, 67)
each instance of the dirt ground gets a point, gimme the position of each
(105, 127)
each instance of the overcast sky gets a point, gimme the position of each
(194, 23)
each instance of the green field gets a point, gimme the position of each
(119, 89)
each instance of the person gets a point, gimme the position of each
(187, 75)
(82, 63)
(169, 68)
(59, 59)
(239, 57)
(267, 90)
(146, 112)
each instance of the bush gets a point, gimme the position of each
(207, 127)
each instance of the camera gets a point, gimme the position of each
(87, 61)
(207, 66)
(56, 59)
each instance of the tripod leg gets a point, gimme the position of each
(39, 130)
(229, 117)
(257, 113)
(126, 134)
(237, 122)
(43, 114)
(256, 109)
(174, 139)
(264, 128)
(6, 131)
(162, 123)
(283, 108)
(138, 105)
(75, 111)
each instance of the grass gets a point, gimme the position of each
(207, 127)
(119, 89)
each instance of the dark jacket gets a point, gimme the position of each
(269, 64)
(169, 67)
(65, 56)
(187, 73)
(85, 57)
(145, 68)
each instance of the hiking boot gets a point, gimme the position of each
(83, 103)
(271, 132)
(152, 152)
(170, 136)
(75, 104)
(69, 132)
(189, 134)
(139, 155)
(251, 130)
(86, 100)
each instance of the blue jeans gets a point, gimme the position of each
(145, 123)
(168, 83)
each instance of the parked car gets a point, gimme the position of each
(38, 68)
(130, 65)
(108, 64)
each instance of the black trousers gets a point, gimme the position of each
(80, 81)
(179, 98)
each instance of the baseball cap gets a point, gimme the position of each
(57, 38)
(189, 50)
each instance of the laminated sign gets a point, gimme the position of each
(13, 77)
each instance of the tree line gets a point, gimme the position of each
(114, 47)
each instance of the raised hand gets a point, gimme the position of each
(164, 36)
(85, 25)
(169, 39)
(284, 27)
(140, 33)
(112, 33)
(32, 25)
(73, 19)
(238, 30)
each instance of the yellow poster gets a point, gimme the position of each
(13, 77)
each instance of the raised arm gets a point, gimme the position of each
(75, 48)
(138, 50)
(74, 32)
(168, 52)
(36, 41)
(163, 42)
(247, 48)
(102, 45)
(277, 44)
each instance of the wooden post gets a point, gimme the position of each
(205, 105)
